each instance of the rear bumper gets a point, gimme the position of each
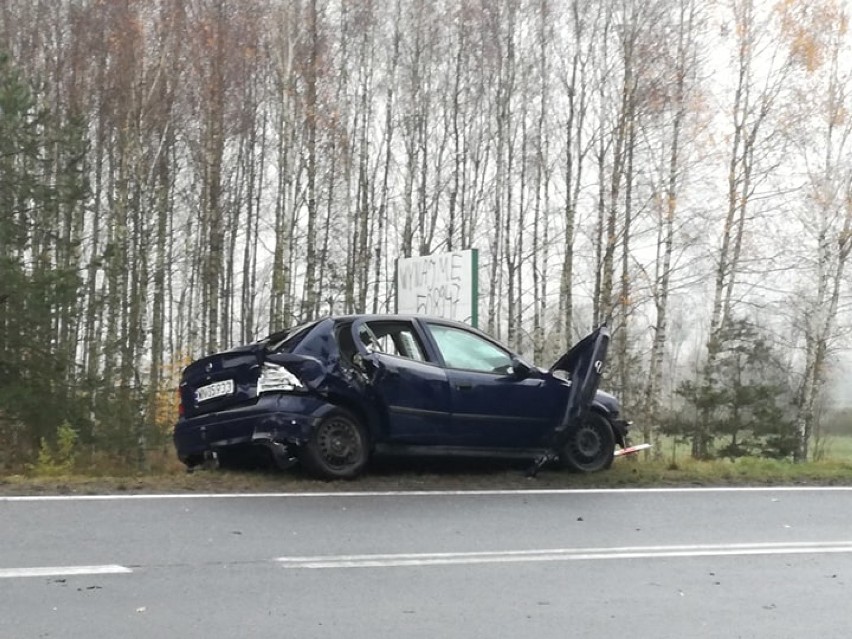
(275, 418)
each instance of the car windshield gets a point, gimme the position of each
(465, 350)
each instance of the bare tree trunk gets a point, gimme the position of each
(542, 177)
(665, 227)
(625, 303)
(384, 208)
(310, 293)
(280, 308)
(827, 214)
(213, 141)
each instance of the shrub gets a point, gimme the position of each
(59, 459)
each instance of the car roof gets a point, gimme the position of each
(344, 319)
(400, 317)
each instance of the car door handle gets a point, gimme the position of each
(465, 386)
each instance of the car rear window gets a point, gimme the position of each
(287, 340)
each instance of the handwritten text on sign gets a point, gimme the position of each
(440, 285)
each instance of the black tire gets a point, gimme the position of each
(338, 448)
(590, 446)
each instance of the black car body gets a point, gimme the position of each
(333, 392)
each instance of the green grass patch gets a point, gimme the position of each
(458, 475)
(746, 471)
(836, 448)
(65, 469)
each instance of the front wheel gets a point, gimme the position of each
(590, 446)
(338, 447)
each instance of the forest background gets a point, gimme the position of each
(180, 176)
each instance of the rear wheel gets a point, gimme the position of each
(338, 448)
(590, 446)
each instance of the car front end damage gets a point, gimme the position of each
(581, 441)
(607, 404)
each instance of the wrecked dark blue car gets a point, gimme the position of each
(332, 393)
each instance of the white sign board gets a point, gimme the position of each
(443, 285)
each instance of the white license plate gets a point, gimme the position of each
(216, 389)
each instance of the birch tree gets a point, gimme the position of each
(673, 100)
(760, 69)
(821, 131)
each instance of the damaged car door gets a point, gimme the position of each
(412, 392)
(498, 401)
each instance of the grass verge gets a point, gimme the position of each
(446, 475)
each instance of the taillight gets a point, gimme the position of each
(180, 404)
(276, 378)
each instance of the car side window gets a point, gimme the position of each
(469, 351)
(397, 338)
(370, 340)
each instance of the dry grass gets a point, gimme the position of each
(444, 475)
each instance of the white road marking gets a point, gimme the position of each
(63, 571)
(563, 554)
(429, 493)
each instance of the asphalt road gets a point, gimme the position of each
(669, 563)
